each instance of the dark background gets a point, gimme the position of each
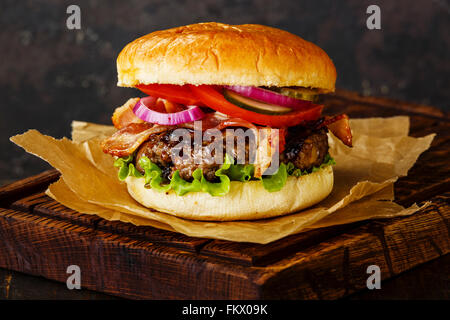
(50, 75)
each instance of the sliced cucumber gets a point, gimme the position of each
(253, 105)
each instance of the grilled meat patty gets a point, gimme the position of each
(305, 147)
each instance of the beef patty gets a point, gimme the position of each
(305, 147)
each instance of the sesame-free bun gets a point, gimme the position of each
(245, 201)
(222, 54)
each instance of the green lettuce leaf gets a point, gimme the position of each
(123, 165)
(226, 173)
(239, 172)
(153, 179)
(276, 181)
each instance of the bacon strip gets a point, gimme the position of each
(124, 115)
(133, 131)
(167, 106)
(340, 127)
(267, 145)
(125, 141)
(217, 120)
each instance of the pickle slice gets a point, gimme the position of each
(298, 93)
(253, 105)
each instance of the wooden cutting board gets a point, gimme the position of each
(41, 237)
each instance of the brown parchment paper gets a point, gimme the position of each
(364, 177)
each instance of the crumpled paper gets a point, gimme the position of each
(364, 178)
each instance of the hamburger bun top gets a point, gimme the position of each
(221, 54)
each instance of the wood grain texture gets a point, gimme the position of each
(20, 286)
(337, 267)
(253, 254)
(113, 263)
(127, 267)
(15, 190)
(39, 236)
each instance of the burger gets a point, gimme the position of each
(228, 125)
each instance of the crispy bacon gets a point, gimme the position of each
(340, 127)
(133, 131)
(217, 120)
(124, 115)
(267, 145)
(167, 106)
(235, 122)
(125, 141)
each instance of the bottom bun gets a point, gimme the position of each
(245, 201)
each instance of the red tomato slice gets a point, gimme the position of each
(212, 98)
(172, 92)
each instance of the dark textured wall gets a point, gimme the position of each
(50, 75)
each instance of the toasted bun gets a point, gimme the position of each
(245, 201)
(221, 54)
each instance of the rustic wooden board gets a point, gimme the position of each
(41, 237)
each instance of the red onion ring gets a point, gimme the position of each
(143, 110)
